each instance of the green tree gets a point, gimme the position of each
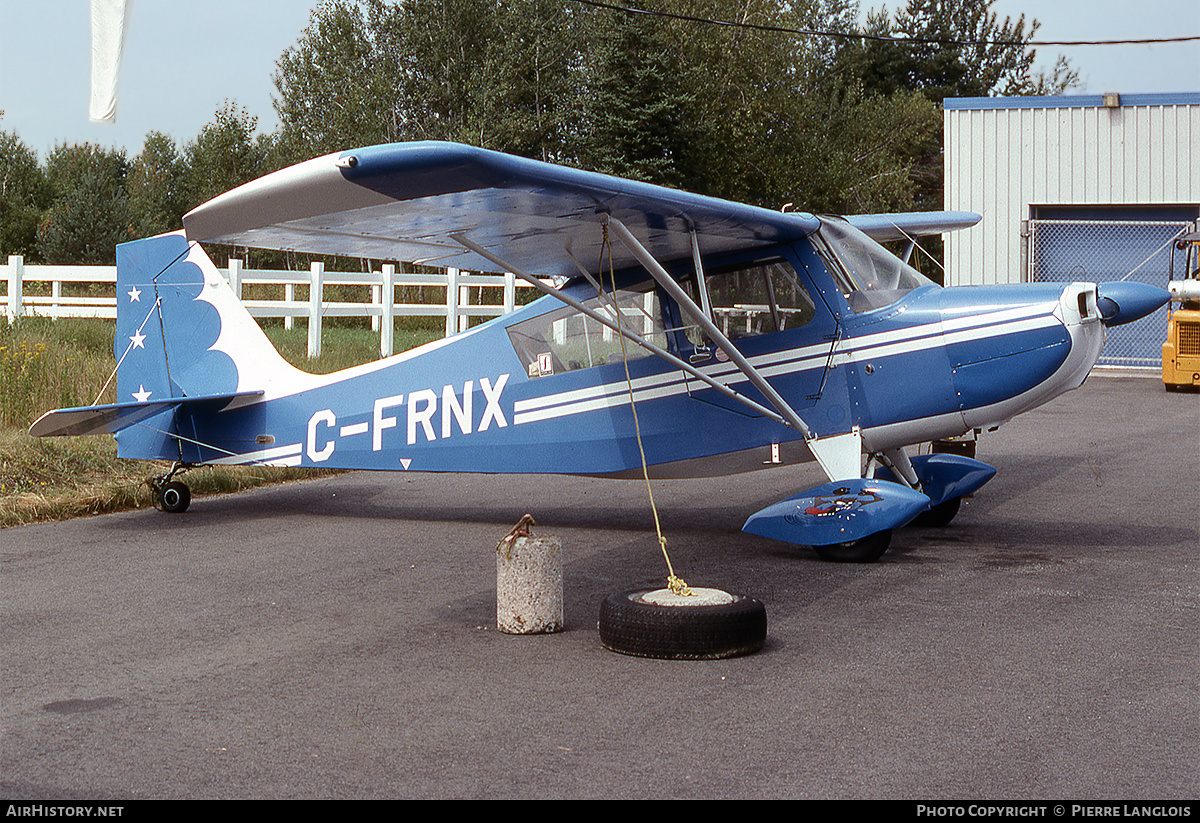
(155, 186)
(755, 114)
(525, 88)
(89, 214)
(24, 195)
(859, 153)
(754, 92)
(471, 71)
(751, 114)
(956, 48)
(225, 154)
(638, 106)
(337, 86)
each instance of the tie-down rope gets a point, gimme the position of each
(677, 585)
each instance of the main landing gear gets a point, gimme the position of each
(939, 515)
(872, 547)
(170, 495)
(864, 550)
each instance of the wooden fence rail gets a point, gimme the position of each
(457, 309)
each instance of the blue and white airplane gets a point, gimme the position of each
(710, 336)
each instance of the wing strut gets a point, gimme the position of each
(702, 284)
(786, 412)
(618, 328)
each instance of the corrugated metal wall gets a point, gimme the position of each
(1004, 155)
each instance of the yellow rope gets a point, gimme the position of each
(677, 585)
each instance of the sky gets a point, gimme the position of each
(183, 61)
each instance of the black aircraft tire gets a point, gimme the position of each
(866, 550)
(175, 497)
(709, 631)
(938, 516)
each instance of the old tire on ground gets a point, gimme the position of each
(656, 623)
(865, 550)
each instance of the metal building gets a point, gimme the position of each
(1074, 188)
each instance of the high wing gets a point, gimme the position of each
(409, 201)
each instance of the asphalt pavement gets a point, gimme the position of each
(336, 638)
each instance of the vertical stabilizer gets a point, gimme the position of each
(182, 332)
(165, 331)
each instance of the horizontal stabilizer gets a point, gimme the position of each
(946, 476)
(112, 418)
(838, 512)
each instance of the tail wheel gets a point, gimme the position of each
(174, 497)
(657, 623)
(865, 550)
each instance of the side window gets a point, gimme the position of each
(759, 298)
(567, 340)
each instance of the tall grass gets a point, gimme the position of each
(47, 364)
(44, 365)
(346, 346)
(54, 364)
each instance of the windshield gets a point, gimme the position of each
(870, 276)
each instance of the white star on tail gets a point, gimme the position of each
(135, 295)
(137, 340)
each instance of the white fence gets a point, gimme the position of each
(457, 308)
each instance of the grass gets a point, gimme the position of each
(48, 364)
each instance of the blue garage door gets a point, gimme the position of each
(1099, 245)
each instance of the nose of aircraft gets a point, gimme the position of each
(1124, 301)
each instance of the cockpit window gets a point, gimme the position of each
(743, 300)
(869, 275)
(760, 298)
(750, 299)
(566, 339)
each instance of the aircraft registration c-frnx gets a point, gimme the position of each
(750, 338)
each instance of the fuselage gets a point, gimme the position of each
(548, 390)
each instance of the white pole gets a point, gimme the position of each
(376, 301)
(317, 272)
(387, 312)
(235, 276)
(464, 307)
(451, 301)
(16, 274)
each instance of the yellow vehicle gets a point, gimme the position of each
(1181, 351)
